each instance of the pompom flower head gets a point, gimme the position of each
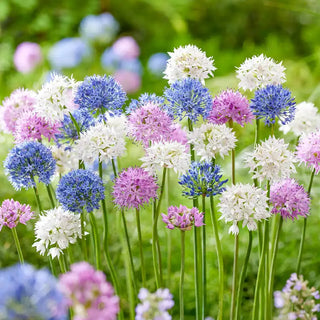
(27, 161)
(80, 190)
(129, 80)
(27, 56)
(188, 98)
(157, 63)
(273, 102)
(126, 48)
(88, 293)
(65, 159)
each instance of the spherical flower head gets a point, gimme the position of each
(188, 98)
(157, 63)
(27, 56)
(166, 154)
(228, 106)
(88, 293)
(144, 99)
(27, 161)
(130, 81)
(210, 140)
(99, 94)
(246, 203)
(271, 160)
(27, 293)
(188, 62)
(154, 305)
(65, 159)
(12, 212)
(258, 72)
(202, 179)
(273, 102)
(289, 199)
(134, 188)
(126, 48)
(80, 190)
(179, 134)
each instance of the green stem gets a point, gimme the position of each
(50, 194)
(96, 241)
(114, 168)
(62, 265)
(256, 136)
(36, 192)
(83, 237)
(182, 274)
(234, 277)
(169, 234)
(154, 246)
(143, 270)
(204, 258)
(17, 243)
(52, 266)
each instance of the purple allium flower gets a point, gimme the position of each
(289, 199)
(145, 98)
(182, 218)
(134, 187)
(12, 212)
(27, 56)
(129, 80)
(126, 48)
(273, 102)
(157, 63)
(88, 293)
(230, 105)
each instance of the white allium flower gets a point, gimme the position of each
(166, 154)
(105, 140)
(306, 120)
(55, 98)
(188, 62)
(258, 72)
(271, 160)
(65, 159)
(55, 230)
(243, 202)
(211, 139)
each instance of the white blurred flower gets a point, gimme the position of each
(65, 159)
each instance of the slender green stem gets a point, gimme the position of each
(50, 194)
(143, 270)
(182, 274)
(114, 168)
(96, 241)
(256, 136)
(70, 255)
(36, 193)
(154, 246)
(169, 234)
(62, 265)
(17, 243)
(234, 277)
(52, 266)
(204, 258)
(83, 237)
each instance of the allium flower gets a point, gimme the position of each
(182, 218)
(273, 102)
(188, 98)
(289, 199)
(202, 179)
(126, 48)
(154, 305)
(99, 94)
(65, 159)
(133, 188)
(144, 99)
(271, 160)
(179, 134)
(88, 293)
(80, 190)
(129, 80)
(230, 105)
(12, 212)
(258, 72)
(243, 202)
(29, 294)
(29, 160)
(166, 155)
(209, 140)
(157, 63)
(188, 62)
(27, 56)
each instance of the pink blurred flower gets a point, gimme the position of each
(126, 48)
(130, 81)
(27, 56)
(179, 134)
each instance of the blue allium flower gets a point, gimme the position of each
(202, 179)
(79, 190)
(99, 94)
(144, 99)
(29, 160)
(29, 294)
(188, 98)
(271, 102)
(157, 63)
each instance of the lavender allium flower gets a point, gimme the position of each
(271, 160)
(80, 190)
(133, 188)
(129, 80)
(27, 56)
(289, 199)
(246, 203)
(188, 98)
(99, 94)
(29, 294)
(144, 99)
(88, 293)
(27, 161)
(154, 305)
(258, 72)
(182, 218)
(126, 48)
(12, 212)
(157, 63)
(230, 105)
(273, 102)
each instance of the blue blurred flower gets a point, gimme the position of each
(30, 294)
(144, 99)
(157, 63)
(202, 179)
(188, 98)
(29, 160)
(80, 189)
(271, 102)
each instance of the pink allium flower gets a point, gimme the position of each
(230, 105)
(134, 187)
(12, 212)
(182, 218)
(89, 294)
(126, 48)
(27, 56)
(179, 135)
(308, 150)
(130, 81)
(289, 199)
